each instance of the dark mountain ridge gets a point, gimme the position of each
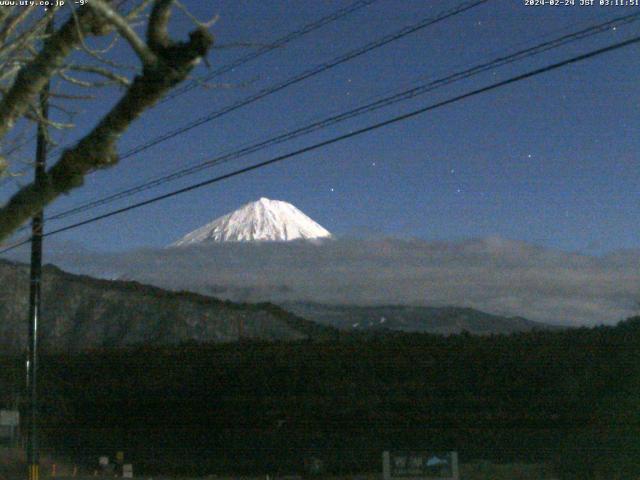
(81, 312)
(439, 320)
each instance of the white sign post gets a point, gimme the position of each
(9, 418)
(420, 466)
(127, 470)
(9, 423)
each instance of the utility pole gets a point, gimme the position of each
(37, 223)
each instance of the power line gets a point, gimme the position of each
(424, 23)
(376, 126)
(384, 102)
(277, 43)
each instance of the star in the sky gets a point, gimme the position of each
(348, 91)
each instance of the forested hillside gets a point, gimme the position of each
(81, 312)
(264, 407)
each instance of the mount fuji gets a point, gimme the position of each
(263, 220)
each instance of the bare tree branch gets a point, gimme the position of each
(172, 62)
(125, 30)
(157, 34)
(103, 72)
(37, 117)
(208, 24)
(137, 11)
(4, 13)
(13, 23)
(70, 96)
(35, 75)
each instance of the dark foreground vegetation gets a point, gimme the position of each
(571, 398)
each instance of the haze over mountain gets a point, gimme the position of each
(268, 251)
(80, 313)
(494, 275)
(262, 220)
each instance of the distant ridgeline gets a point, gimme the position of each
(569, 397)
(81, 312)
(406, 318)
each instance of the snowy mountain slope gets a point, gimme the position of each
(263, 220)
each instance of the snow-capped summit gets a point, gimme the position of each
(264, 220)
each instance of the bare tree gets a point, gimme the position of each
(30, 58)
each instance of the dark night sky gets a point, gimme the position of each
(552, 160)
